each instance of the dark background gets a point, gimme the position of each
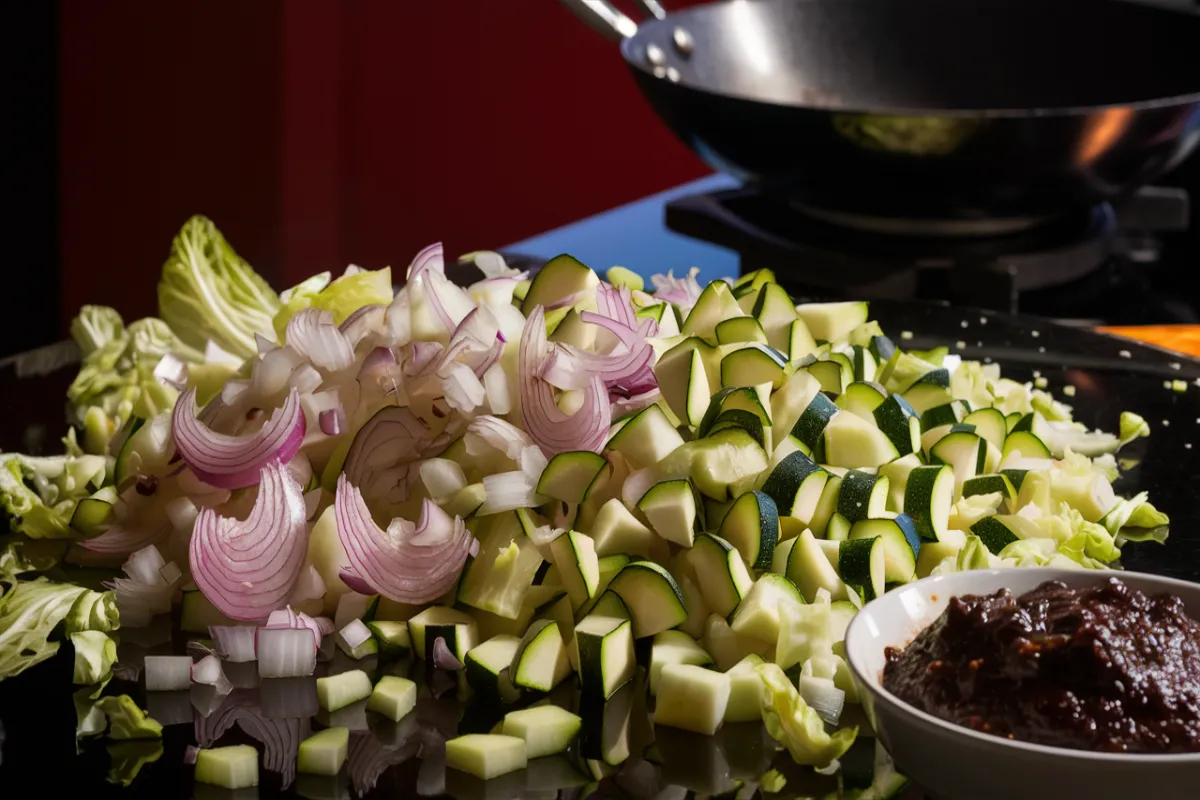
(315, 134)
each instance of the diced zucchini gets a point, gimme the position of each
(988, 484)
(391, 637)
(745, 691)
(838, 529)
(1025, 444)
(833, 374)
(547, 730)
(826, 505)
(570, 475)
(963, 452)
(810, 569)
(934, 553)
(346, 688)
(647, 438)
(487, 668)
(775, 314)
(945, 414)
(862, 564)
(897, 473)
(758, 614)
(691, 698)
(832, 321)
(606, 655)
(233, 767)
(560, 279)
(575, 556)
(740, 330)
(652, 596)
(852, 442)
(486, 755)
(672, 510)
(752, 526)
(716, 303)
(616, 530)
(796, 484)
(862, 495)
(901, 545)
(324, 752)
(862, 398)
(751, 365)
(990, 424)
(607, 729)
(791, 399)
(683, 379)
(674, 647)
(994, 534)
(540, 662)
(900, 423)
(499, 577)
(721, 573)
(928, 497)
(457, 628)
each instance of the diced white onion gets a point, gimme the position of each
(499, 392)
(442, 477)
(236, 642)
(508, 491)
(285, 652)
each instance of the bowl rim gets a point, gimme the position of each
(875, 687)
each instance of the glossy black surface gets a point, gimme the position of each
(1039, 105)
(37, 715)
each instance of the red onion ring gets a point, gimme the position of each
(407, 563)
(354, 581)
(378, 457)
(248, 569)
(379, 358)
(432, 258)
(553, 430)
(616, 304)
(332, 421)
(232, 462)
(362, 322)
(119, 539)
(312, 334)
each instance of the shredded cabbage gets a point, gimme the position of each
(791, 722)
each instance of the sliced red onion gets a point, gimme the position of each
(145, 566)
(616, 304)
(172, 370)
(398, 318)
(407, 563)
(271, 372)
(235, 642)
(208, 672)
(332, 421)
(421, 357)
(552, 429)
(190, 754)
(488, 431)
(313, 334)
(378, 459)
(231, 462)
(682, 292)
(508, 491)
(450, 304)
(354, 581)
(462, 388)
(362, 322)
(309, 586)
(287, 618)
(432, 258)
(248, 569)
(305, 379)
(499, 393)
(168, 673)
(312, 503)
(443, 658)
(128, 536)
(568, 367)
(285, 652)
(378, 359)
(627, 405)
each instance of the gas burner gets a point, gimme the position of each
(1076, 256)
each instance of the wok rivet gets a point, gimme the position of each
(672, 75)
(660, 72)
(655, 55)
(683, 41)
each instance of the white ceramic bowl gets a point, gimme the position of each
(955, 763)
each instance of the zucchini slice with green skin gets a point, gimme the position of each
(758, 614)
(833, 321)
(691, 698)
(561, 277)
(745, 691)
(838, 529)
(547, 729)
(392, 637)
(1015, 476)
(865, 366)
(862, 398)
(987, 484)
(734, 398)
(742, 420)
(716, 303)
(900, 423)
(540, 661)
(775, 313)
(752, 526)
(945, 414)
(901, 545)
(92, 517)
(604, 740)
(801, 343)
(608, 604)
(616, 530)
(672, 510)
(897, 473)
(826, 506)
(324, 752)
(605, 655)
(500, 575)
(834, 376)
(796, 484)
(810, 569)
(575, 556)
(862, 563)
(789, 401)
(994, 534)
(925, 394)
(683, 379)
(1025, 444)
(852, 442)
(652, 596)
(570, 475)
(721, 573)
(740, 330)
(487, 668)
(647, 438)
(965, 453)
(990, 424)
(928, 498)
(810, 427)
(393, 697)
(862, 495)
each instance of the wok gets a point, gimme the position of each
(923, 116)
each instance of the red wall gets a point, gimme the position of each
(317, 133)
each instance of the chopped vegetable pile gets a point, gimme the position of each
(676, 497)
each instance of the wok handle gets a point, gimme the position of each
(605, 18)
